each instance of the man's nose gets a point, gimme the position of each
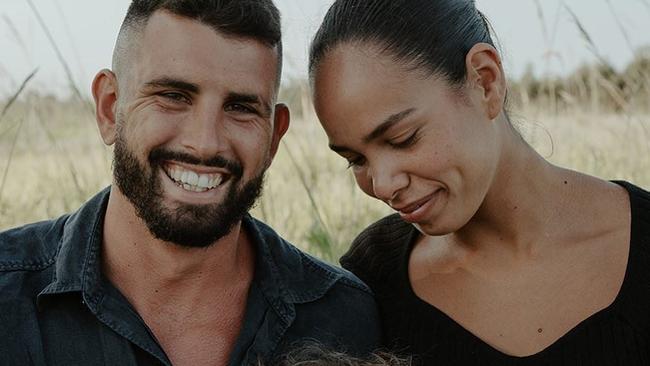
(205, 134)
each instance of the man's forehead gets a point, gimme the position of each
(172, 45)
(163, 21)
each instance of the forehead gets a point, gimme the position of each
(180, 47)
(357, 87)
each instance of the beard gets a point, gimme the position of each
(186, 225)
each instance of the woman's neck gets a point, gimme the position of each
(524, 203)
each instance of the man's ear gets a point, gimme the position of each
(280, 126)
(104, 90)
(485, 72)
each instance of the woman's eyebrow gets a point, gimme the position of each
(387, 124)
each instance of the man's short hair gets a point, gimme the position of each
(252, 19)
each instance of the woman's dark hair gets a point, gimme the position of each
(430, 35)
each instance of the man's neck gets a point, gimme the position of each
(192, 299)
(154, 274)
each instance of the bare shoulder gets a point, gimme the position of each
(597, 207)
(599, 235)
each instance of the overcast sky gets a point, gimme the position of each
(85, 32)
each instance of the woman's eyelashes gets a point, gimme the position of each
(407, 142)
(399, 144)
(355, 162)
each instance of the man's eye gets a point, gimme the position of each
(176, 97)
(240, 108)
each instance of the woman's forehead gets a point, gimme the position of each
(361, 76)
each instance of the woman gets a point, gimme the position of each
(495, 256)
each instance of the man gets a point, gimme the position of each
(166, 266)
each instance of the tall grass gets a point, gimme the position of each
(595, 120)
(58, 161)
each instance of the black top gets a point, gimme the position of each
(57, 308)
(616, 335)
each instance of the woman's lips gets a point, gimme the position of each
(416, 211)
(413, 206)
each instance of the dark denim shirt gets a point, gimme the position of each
(57, 308)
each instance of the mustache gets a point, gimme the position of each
(158, 155)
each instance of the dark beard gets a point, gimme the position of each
(196, 226)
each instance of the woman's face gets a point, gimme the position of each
(428, 150)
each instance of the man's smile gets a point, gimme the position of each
(199, 179)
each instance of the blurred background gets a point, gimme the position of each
(579, 73)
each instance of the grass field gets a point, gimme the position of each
(52, 160)
(595, 120)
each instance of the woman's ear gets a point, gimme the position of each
(104, 90)
(485, 73)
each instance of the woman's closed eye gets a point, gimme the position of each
(407, 142)
(355, 161)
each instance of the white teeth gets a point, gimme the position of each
(204, 181)
(216, 181)
(176, 174)
(192, 178)
(192, 181)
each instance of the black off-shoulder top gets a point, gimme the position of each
(616, 335)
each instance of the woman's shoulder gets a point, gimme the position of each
(380, 250)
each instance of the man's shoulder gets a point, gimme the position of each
(345, 278)
(307, 277)
(332, 305)
(32, 247)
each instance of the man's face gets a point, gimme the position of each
(195, 130)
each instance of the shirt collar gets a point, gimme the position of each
(77, 267)
(283, 272)
(285, 275)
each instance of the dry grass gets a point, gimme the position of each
(606, 145)
(59, 161)
(52, 159)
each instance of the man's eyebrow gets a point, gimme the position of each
(235, 97)
(387, 124)
(379, 130)
(166, 82)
